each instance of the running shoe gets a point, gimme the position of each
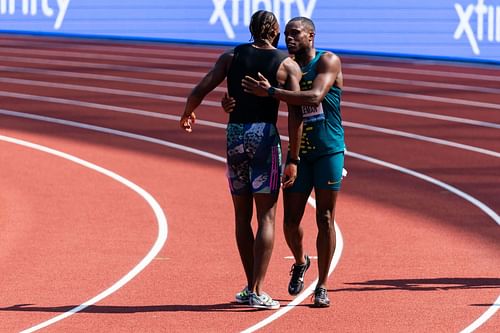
(263, 301)
(321, 298)
(243, 296)
(297, 281)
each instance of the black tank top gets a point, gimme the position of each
(249, 60)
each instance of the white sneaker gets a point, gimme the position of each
(263, 301)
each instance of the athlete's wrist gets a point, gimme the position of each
(271, 91)
(295, 161)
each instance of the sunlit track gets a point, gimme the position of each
(155, 249)
(104, 89)
(207, 102)
(309, 289)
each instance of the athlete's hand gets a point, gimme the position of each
(257, 87)
(228, 103)
(289, 175)
(187, 121)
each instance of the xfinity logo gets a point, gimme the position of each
(31, 7)
(487, 25)
(238, 10)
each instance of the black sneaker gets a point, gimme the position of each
(297, 281)
(321, 298)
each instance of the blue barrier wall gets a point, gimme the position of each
(457, 29)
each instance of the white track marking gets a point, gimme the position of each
(420, 83)
(424, 97)
(223, 126)
(186, 73)
(477, 323)
(429, 72)
(483, 318)
(109, 47)
(421, 114)
(113, 57)
(422, 138)
(217, 104)
(311, 201)
(92, 76)
(307, 291)
(157, 246)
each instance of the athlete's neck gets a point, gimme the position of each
(262, 44)
(305, 57)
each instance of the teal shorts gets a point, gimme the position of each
(324, 172)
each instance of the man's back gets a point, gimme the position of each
(250, 60)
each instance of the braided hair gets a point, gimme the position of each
(262, 25)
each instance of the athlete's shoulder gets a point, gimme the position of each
(291, 65)
(329, 56)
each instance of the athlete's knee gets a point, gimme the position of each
(324, 219)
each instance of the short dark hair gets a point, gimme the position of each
(262, 24)
(307, 22)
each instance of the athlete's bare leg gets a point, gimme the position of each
(325, 241)
(243, 209)
(294, 205)
(264, 239)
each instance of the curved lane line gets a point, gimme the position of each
(311, 201)
(310, 289)
(478, 322)
(157, 246)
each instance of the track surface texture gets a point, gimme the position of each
(112, 219)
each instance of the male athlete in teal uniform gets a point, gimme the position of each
(322, 150)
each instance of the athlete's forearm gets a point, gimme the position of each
(294, 130)
(306, 97)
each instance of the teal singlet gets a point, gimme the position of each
(323, 133)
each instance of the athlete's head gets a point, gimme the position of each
(264, 27)
(299, 34)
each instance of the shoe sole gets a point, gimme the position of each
(240, 301)
(320, 305)
(257, 306)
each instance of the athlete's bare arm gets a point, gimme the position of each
(211, 80)
(294, 121)
(329, 73)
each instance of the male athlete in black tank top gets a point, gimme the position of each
(249, 60)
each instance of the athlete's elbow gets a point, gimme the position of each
(315, 99)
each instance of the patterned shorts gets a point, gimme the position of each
(253, 158)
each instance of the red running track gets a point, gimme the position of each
(114, 220)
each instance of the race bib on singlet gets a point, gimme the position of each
(312, 113)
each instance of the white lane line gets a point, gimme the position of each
(107, 56)
(311, 201)
(419, 114)
(186, 73)
(429, 72)
(113, 67)
(487, 210)
(307, 291)
(112, 48)
(422, 138)
(178, 99)
(101, 77)
(420, 83)
(483, 318)
(347, 124)
(477, 323)
(116, 78)
(157, 246)
(207, 53)
(422, 97)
